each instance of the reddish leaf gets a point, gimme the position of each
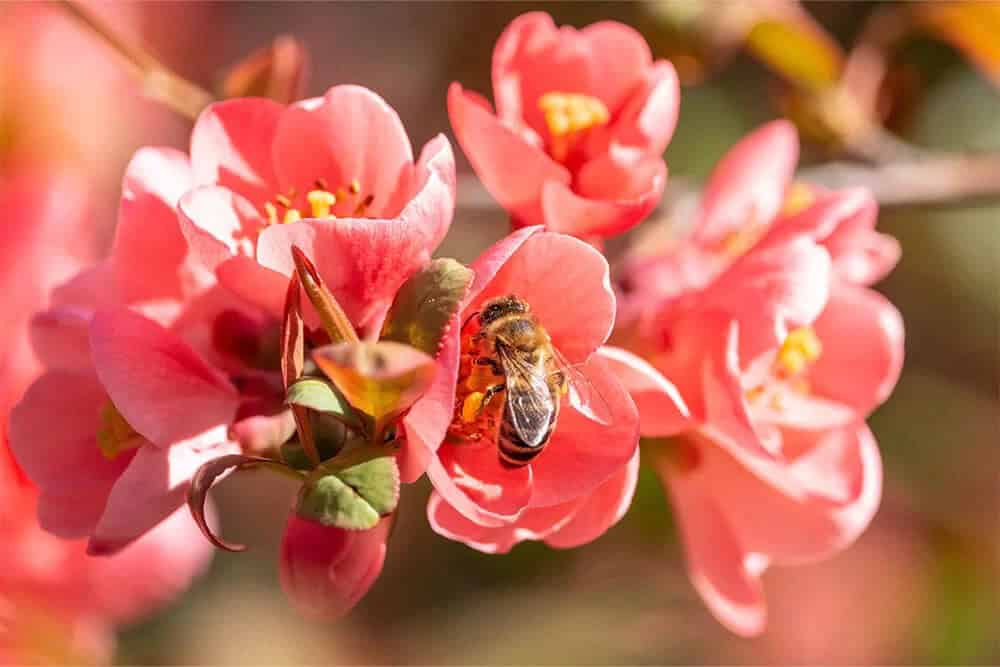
(203, 480)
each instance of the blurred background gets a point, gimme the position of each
(921, 586)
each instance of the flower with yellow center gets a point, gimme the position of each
(568, 116)
(800, 348)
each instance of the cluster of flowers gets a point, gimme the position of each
(748, 351)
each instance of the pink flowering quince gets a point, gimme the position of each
(577, 486)
(128, 407)
(755, 358)
(333, 175)
(582, 120)
(326, 570)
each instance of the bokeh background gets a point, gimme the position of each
(921, 586)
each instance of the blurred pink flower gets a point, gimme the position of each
(547, 271)
(333, 175)
(582, 119)
(563, 526)
(138, 408)
(326, 570)
(759, 359)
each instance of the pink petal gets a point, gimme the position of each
(231, 146)
(716, 561)
(533, 57)
(748, 185)
(533, 524)
(649, 117)
(162, 387)
(218, 224)
(772, 289)
(619, 60)
(168, 558)
(662, 411)
(601, 510)
(862, 336)
(254, 284)
(583, 453)
(351, 133)
(829, 212)
(860, 254)
(326, 570)
(550, 271)
(427, 421)
(471, 478)
(511, 169)
(805, 509)
(60, 338)
(53, 437)
(611, 197)
(153, 487)
(148, 253)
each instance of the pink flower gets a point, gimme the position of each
(563, 526)
(759, 361)
(326, 570)
(67, 604)
(546, 271)
(582, 119)
(138, 407)
(333, 175)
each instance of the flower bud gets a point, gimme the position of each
(326, 570)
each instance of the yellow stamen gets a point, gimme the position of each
(801, 348)
(292, 215)
(480, 378)
(114, 434)
(471, 405)
(321, 202)
(568, 115)
(355, 186)
(737, 242)
(272, 213)
(284, 201)
(799, 197)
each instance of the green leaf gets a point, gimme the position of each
(380, 379)
(320, 395)
(354, 498)
(426, 303)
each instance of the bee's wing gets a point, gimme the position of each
(581, 392)
(529, 399)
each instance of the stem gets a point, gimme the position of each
(158, 81)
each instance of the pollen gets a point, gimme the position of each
(114, 434)
(798, 198)
(800, 348)
(568, 116)
(321, 202)
(471, 405)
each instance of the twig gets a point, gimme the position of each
(158, 82)
(941, 179)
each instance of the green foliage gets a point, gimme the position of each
(426, 304)
(353, 498)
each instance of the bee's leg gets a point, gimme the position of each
(492, 363)
(490, 392)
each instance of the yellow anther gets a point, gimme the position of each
(272, 213)
(471, 405)
(321, 202)
(355, 186)
(284, 201)
(801, 348)
(798, 198)
(479, 378)
(114, 434)
(570, 113)
(291, 215)
(737, 242)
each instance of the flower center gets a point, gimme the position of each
(800, 349)
(324, 203)
(477, 410)
(569, 116)
(114, 434)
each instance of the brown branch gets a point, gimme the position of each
(936, 179)
(158, 82)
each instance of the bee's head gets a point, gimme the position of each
(501, 306)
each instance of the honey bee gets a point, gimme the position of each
(535, 377)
